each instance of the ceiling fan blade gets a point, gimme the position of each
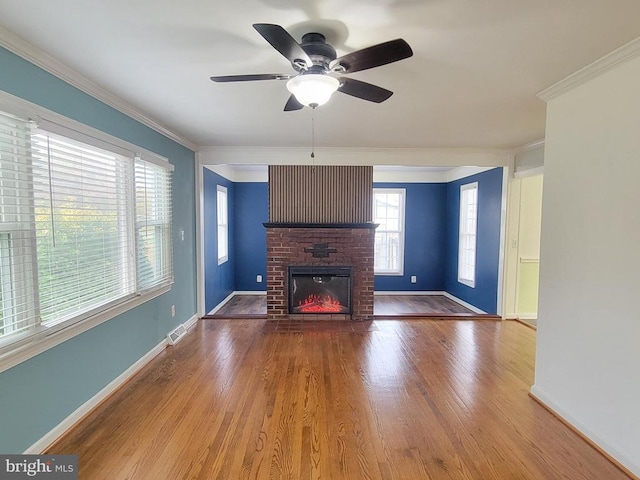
(280, 39)
(292, 104)
(374, 56)
(364, 90)
(250, 78)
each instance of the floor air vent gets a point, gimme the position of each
(176, 335)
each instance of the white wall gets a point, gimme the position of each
(588, 353)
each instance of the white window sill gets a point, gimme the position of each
(396, 273)
(468, 283)
(24, 348)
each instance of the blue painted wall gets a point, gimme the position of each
(425, 238)
(219, 280)
(431, 239)
(39, 393)
(485, 293)
(251, 210)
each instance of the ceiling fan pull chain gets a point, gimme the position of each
(313, 136)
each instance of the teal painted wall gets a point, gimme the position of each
(39, 393)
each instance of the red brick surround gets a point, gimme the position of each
(286, 245)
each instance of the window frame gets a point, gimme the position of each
(121, 196)
(401, 229)
(163, 231)
(12, 235)
(222, 228)
(24, 345)
(7, 298)
(469, 281)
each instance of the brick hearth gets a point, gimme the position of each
(353, 245)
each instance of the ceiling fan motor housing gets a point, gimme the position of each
(320, 52)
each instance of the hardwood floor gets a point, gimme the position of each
(384, 305)
(532, 322)
(242, 305)
(417, 304)
(412, 399)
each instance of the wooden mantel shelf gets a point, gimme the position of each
(319, 225)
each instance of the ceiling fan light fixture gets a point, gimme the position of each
(313, 89)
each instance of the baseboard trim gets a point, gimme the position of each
(215, 309)
(473, 308)
(525, 323)
(86, 408)
(221, 304)
(410, 292)
(191, 322)
(536, 395)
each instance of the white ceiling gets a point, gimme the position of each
(381, 173)
(472, 81)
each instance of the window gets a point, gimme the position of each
(388, 213)
(223, 225)
(85, 226)
(80, 203)
(17, 235)
(153, 224)
(467, 234)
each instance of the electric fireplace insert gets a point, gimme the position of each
(320, 289)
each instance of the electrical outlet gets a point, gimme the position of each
(182, 235)
(414, 279)
(173, 310)
(259, 278)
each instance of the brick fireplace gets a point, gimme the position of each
(342, 245)
(319, 222)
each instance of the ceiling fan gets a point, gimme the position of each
(319, 72)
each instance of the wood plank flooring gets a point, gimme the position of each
(405, 400)
(242, 305)
(384, 305)
(417, 304)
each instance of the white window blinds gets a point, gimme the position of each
(223, 224)
(18, 310)
(467, 235)
(153, 224)
(388, 213)
(80, 199)
(84, 226)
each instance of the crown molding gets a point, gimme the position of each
(55, 122)
(464, 172)
(396, 174)
(33, 54)
(238, 174)
(441, 157)
(529, 172)
(593, 70)
(401, 174)
(528, 146)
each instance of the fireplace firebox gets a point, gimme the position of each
(320, 289)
